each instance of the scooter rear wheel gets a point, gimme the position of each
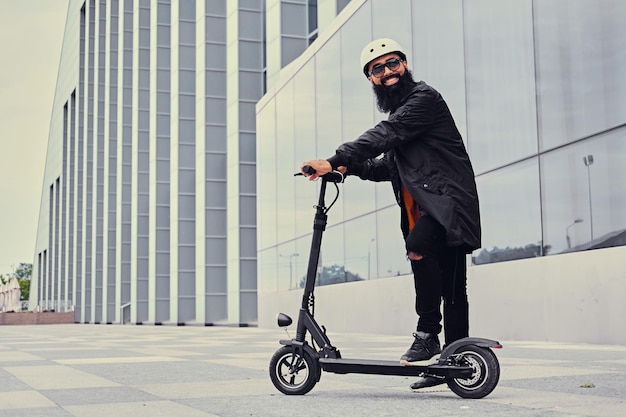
(293, 373)
(485, 376)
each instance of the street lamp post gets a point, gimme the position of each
(290, 257)
(588, 160)
(369, 256)
(569, 244)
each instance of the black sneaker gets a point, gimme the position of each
(425, 346)
(428, 381)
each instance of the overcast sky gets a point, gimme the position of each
(31, 34)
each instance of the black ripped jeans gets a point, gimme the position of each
(440, 274)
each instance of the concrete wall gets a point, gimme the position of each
(566, 298)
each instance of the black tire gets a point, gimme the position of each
(485, 376)
(292, 373)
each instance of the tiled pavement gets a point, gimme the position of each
(162, 371)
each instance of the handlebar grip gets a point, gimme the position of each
(332, 176)
(308, 169)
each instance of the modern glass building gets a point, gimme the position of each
(148, 209)
(538, 92)
(169, 197)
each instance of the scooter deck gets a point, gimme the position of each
(382, 367)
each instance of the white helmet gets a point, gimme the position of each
(378, 48)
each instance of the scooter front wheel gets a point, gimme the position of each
(293, 373)
(485, 376)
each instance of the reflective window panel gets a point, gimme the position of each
(357, 104)
(581, 87)
(391, 253)
(305, 193)
(266, 176)
(583, 193)
(510, 213)
(360, 248)
(500, 77)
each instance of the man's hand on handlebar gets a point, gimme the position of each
(321, 167)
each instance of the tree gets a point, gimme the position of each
(23, 271)
(25, 289)
(333, 274)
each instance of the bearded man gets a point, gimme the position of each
(424, 158)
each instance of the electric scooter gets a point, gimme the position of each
(469, 366)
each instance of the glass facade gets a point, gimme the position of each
(536, 93)
(166, 199)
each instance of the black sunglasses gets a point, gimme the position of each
(379, 69)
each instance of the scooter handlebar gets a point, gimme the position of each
(332, 176)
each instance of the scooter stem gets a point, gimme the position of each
(319, 225)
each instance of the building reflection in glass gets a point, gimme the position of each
(510, 213)
(570, 193)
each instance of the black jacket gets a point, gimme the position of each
(422, 149)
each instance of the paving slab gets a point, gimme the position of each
(194, 371)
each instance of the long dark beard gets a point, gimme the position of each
(389, 98)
